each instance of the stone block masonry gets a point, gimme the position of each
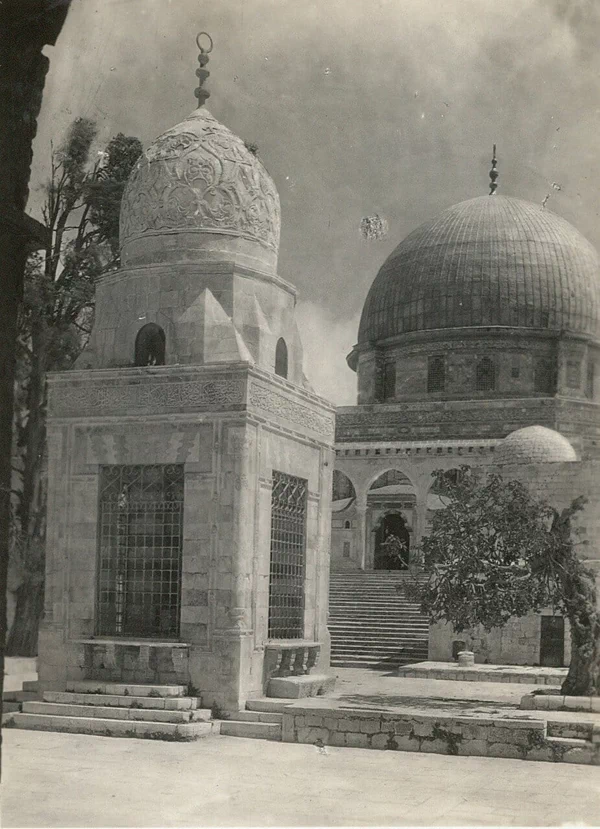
(516, 738)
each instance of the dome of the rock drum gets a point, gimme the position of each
(534, 444)
(489, 261)
(201, 185)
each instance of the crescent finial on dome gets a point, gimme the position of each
(202, 73)
(493, 173)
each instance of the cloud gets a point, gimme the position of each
(326, 341)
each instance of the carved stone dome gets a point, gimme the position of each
(489, 261)
(198, 190)
(534, 444)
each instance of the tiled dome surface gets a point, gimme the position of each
(492, 260)
(534, 444)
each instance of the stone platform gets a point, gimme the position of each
(379, 710)
(533, 675)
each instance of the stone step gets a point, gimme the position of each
(414, 643)
(108, 712)
(569, 742)
(268, 705)
(125, 689)
(397, 650)
(112, 727)
(258, 716)
(395, 641)
(376, 614)
(255, 730)
(9, 707)
(570, 730)
(369, 663)
(381, 618)
(161, 703)
(370, 601)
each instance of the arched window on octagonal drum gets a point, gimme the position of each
(150, 346)
(485, 375)
(281, 358)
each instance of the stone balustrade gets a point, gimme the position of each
(290, 658)
(132, 661)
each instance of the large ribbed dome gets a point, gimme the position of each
(489, 261)
(200, 178)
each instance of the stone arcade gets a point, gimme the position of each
(189, 462)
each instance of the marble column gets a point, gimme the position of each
(361, 529)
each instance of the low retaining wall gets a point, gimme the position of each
(467, 736)
(483, 673)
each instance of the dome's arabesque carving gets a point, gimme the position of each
(489, 261)
(199, 176)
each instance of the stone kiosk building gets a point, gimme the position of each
(189, 462)
(483, 323)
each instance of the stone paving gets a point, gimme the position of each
(65, 780)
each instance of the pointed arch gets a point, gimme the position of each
(150, 346)
(281, 358)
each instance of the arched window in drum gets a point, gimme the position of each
(150, 346)
(281, 358)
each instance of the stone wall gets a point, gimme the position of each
(464, 736)
(230, 428)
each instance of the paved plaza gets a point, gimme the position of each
(66, 780)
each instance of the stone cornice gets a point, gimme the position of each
(170, 390)
(473, 332)
(197, 268)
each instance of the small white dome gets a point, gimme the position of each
(534, 444)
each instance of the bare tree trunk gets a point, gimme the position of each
(31, 512)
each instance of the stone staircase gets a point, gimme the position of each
(372, 624)
(160, 712)
(261, 720)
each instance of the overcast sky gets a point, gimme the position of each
(358, 107)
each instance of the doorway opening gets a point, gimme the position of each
(392, 525)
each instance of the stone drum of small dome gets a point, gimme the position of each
(534, 444)
(489, 261)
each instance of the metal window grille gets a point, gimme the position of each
(485, 375)
(288, 553)
(140, 540)
(388, 381)
(543, 376)
(590, 380)
(436, 374)
(573, 374)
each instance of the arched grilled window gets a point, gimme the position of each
(436, 374)
(544, 377)
(281, 358)
(485, 375)
(150, 346)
